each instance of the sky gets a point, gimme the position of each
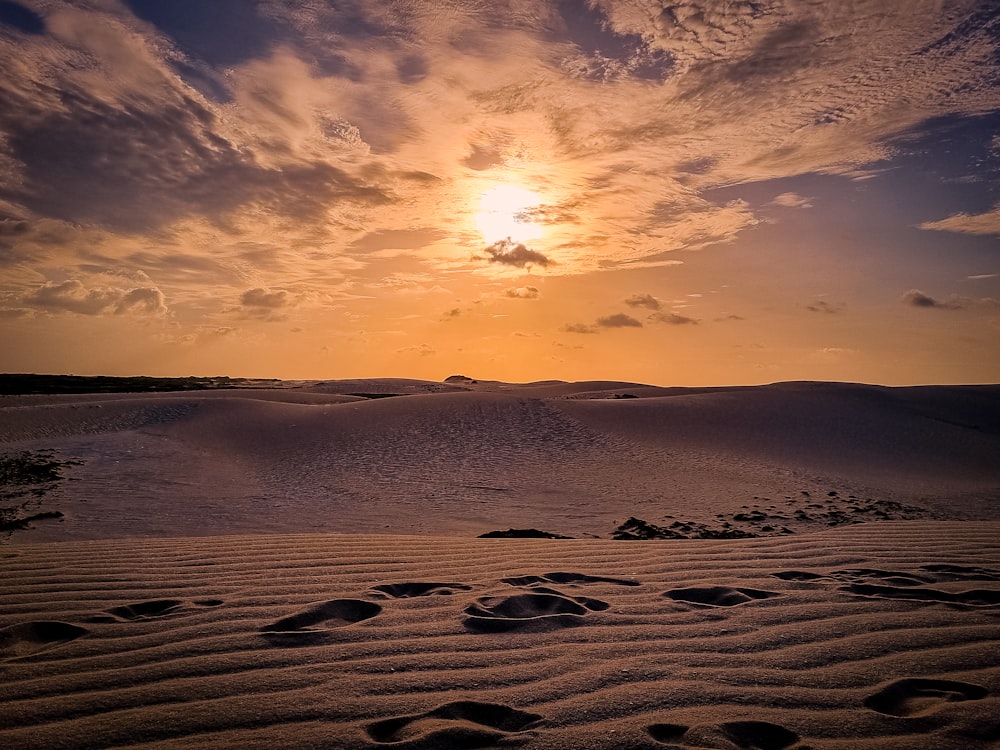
(702, 192)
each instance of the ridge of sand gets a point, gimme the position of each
(570, 458)
(878, 636)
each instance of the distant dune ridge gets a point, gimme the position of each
(294, 565)
(467, 457)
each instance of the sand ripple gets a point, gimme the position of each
(305, 641)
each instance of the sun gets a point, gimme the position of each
(503, 214)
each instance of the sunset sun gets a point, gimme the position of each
(503, 214)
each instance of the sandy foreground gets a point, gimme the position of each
(297, 568)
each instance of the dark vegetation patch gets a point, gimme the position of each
(636, 528)
(25, 479)
(22, 384)
(522, 534)
(375, 395)
(767, 517)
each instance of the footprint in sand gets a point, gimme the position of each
(718, 596)
(27, 638)
(872, 576)
(151, 610)
(323, 617)
(460, 724)
(543, 609)
(741, 735)
(571, 579)
(946, 572)
(918, 696)
(412, 589)
(972, 597)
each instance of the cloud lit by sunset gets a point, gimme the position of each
(692, 192)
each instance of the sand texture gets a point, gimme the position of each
(575, 459)
(299, 567)
(869, 636)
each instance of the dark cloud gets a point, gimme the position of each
(619, 320)
(672, 319)
(11, 232)
(260, 297)
(825, 307)
(643, 300)
(511, 253)
(141, 162)
(578, 328)
(73, 296)
(523, 292)
(483, 158)
(917, 298)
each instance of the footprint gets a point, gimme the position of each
(412, 589)
(889, 577)
(462, 724)
(945, 572)
(535, 611)
(797, 575)
(917, 696)
(31, 637)
(744, 735)
(566, 578)
(718, 596)
(972, 597)
(332, 614)
(150, 610)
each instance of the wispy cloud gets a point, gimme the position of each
(986, 223)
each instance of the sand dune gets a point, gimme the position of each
(871, 636)
(192, 595)
(471, 457)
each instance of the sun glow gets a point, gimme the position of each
(503, 214)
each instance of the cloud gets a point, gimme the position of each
(985, 224)
(260, 297)
(509, 253)
(578, 328)
(73, 296)
(398, 239)
(917, 298)
(643, 300)
(982, 276)
(672, 319)
(619, 320)
(791, 200)
(523, 292)
(821, 306)
(122, 142)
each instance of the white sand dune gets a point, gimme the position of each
(870, 636)
(296, 568)
(469, 458)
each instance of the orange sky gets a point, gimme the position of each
(699, 192)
